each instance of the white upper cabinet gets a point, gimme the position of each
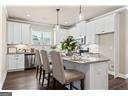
(18, 33)
(110, 23)
(100, 26)
(105, 24)
(90, 33)
(10, 32)
(73, 31)
(78, 30)
(26, 33)
(81, 28)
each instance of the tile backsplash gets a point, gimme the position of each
(25, 48)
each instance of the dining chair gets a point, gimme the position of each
(39, 65)
(47, 67)
(67, 76)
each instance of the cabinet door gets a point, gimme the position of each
(15, 61)
(81, 28)
(10, 27)
(73, 31)
(105, 24)
(109, 23)
(17, 33)
(99, 79)
(90, 34)
(11, 62)
(100, 25)
(20, 61)
(26, 33)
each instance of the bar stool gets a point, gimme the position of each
(47, 67)
(38, 63)
(67, 76)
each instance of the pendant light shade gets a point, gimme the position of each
(57, 18)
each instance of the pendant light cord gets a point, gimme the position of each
(80, 10)
(57, 16)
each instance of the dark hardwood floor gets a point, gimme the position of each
(117, 83)
(26, 80)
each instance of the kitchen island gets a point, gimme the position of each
(95, 68)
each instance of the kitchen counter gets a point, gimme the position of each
(86, 58)
(31, 53)
(95, 68)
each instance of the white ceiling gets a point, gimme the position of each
(47, 14)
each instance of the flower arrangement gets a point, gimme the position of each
(69, 45)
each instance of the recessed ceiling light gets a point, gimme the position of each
(66, 22)
(28, 15)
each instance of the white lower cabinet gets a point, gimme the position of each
(15, 61)
(99, 76)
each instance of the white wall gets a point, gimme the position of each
(60, 35)
(3, 46)
(78, 30)
(126, 42)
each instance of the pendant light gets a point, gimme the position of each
(57, 18)
(80, 14)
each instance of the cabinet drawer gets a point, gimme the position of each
(15, 61)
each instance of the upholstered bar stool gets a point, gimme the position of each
(65, 77)
(47, 67)
(39, 65)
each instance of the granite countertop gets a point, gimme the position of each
(86, 59)
(26, 53)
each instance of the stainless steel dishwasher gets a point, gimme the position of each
(29, 60)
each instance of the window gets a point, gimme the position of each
(41, 37)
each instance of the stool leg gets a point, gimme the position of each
(40, 74)
(43, 77)
(82, 84)
(71, 85)
(37, 69)
(54, 82)
(48, 79)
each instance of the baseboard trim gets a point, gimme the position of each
(3, 79)
(111, 72)
(124, 76)
(13, 70)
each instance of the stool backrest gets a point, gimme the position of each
(37, 58)
(45, 60)
(58, 69)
